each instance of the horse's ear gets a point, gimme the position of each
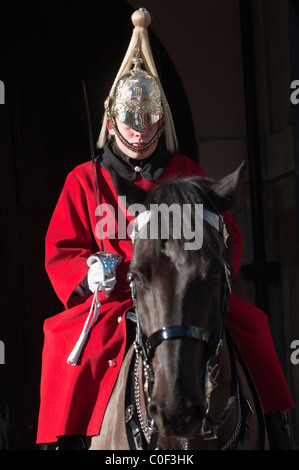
(224, 191)
(134, 194)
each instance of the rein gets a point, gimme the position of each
(145, 347)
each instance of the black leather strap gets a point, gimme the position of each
(175, 332)
(260, 413)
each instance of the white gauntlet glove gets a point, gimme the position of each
(101, 274)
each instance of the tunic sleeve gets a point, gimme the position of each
(69, 241)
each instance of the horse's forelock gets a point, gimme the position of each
(189, 190)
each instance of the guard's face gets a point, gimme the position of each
(136, 138)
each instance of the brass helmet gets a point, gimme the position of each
(137, 97)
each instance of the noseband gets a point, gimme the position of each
(146, 347)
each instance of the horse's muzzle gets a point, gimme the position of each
(182, 421)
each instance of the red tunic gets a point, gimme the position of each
(74, 398)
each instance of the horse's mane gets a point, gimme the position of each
(188, 190)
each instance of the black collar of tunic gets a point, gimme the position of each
(150, 168)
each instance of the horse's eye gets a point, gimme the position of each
(133, 276)
(140, 280)
(215, 276)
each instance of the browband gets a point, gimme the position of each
(144, 217)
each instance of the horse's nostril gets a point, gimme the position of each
(176, 420)
(152, 409)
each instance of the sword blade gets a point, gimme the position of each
(90, 136)
(92, 152)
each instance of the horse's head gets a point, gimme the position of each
(180, 287)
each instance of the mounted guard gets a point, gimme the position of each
(137, 142)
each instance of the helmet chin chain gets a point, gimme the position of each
(124, 141)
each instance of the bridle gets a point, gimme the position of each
(145, 347)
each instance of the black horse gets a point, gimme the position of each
(180, 386)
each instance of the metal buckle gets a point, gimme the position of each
(209, 438)
(225, 233)
(207, 434)
(129, 413)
